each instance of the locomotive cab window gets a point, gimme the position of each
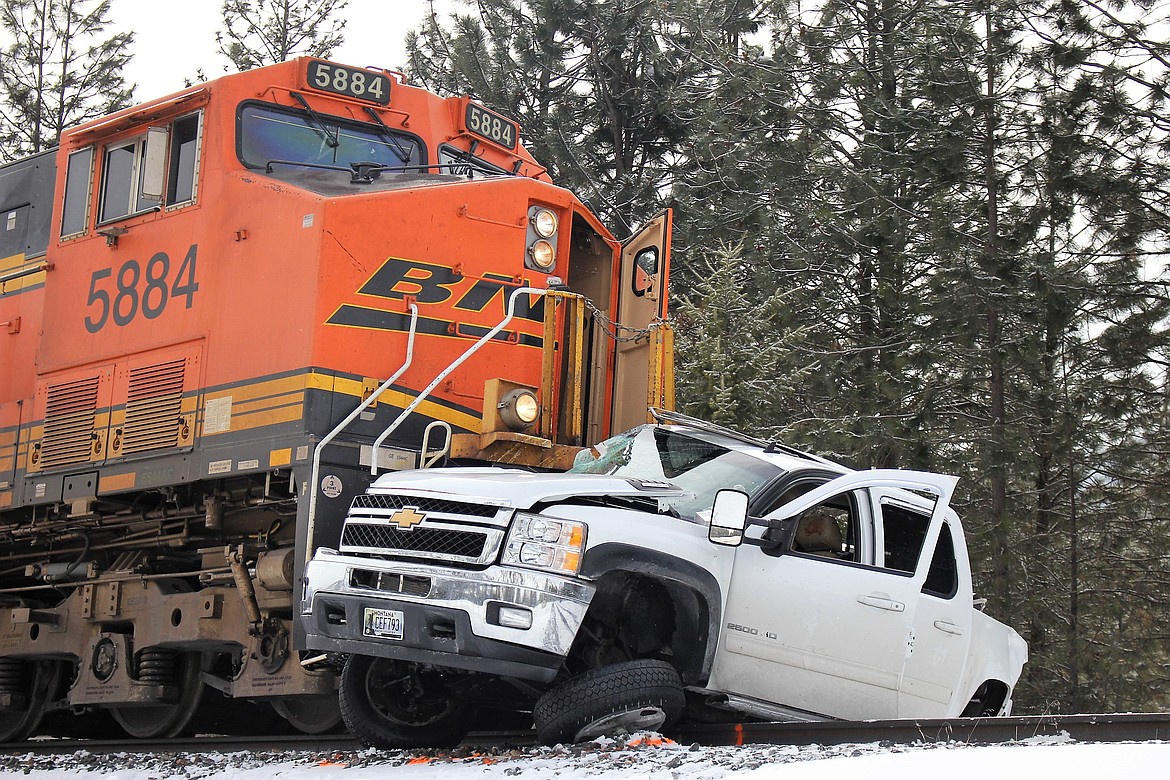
(184, 160)
(137, 173)
(123, 176)
(462, 163)
(78, 177)
(287, 137)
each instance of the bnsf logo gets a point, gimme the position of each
(431, 284)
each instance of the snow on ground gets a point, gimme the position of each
(643, 757)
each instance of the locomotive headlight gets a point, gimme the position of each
(544, 222)
(543, 255)
(519, 409)
(540, 239)
(541, 542)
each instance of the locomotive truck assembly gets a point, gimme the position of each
(222, 313)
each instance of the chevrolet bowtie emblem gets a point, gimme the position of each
(407, 518)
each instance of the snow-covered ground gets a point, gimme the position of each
(647, 757)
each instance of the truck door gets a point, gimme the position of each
(826, 627)
(641, 300)
(942, 631)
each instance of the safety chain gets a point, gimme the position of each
(613, 329)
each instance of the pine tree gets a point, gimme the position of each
(263, 32)
(59, 71)
(594, 85)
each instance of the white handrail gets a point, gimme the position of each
(426, 458)
(373, 397)
(485, 338)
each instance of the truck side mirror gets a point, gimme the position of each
(728, 518)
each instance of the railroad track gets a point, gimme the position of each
(1137, 727)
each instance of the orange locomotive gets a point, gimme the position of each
(221, 313)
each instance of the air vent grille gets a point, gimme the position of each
(69, 423)
(154, 401)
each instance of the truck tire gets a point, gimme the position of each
(392, 704)
(631, 696)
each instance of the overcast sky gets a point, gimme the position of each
(172, 40)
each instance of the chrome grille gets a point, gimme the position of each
(443, 542)
(390, 582)
(462, 533)
(422, 504)
(446, 543)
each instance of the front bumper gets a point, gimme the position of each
(451, 617)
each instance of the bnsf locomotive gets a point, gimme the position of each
(221, 313)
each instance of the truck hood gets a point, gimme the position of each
(516, 488)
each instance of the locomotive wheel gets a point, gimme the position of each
(391, 704)
(170, 719)
(314, 714)
(38, 681)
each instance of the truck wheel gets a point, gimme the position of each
(630, 696)
(392, 704)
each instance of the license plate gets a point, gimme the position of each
(382, 623)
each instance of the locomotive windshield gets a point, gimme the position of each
(269, 133)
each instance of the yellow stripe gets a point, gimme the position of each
(263, 403)
(24, 282)
(355, 388)
(276, 401)
(11, 262)
(272, 417)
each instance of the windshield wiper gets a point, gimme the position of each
(332, 140)
(403, 154)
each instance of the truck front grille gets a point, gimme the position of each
(396, 525)
(389, 582)
(422, 504)
(436, 542)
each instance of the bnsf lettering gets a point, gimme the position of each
(399, 278)
(429, 283)
(136, 290)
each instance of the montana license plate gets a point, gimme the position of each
(382, 623)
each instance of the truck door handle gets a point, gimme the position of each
(948, 627)
(882, 601)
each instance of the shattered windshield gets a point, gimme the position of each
(700, 468)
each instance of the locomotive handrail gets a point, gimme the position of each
(26, 271)
(485, 338)
(370, 400)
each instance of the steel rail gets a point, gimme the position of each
(1127, 727)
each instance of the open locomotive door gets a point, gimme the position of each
(643, 368)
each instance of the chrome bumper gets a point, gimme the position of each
(453, 616)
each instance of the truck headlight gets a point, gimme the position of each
(542, 542)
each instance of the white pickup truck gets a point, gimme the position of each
(677, 569)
